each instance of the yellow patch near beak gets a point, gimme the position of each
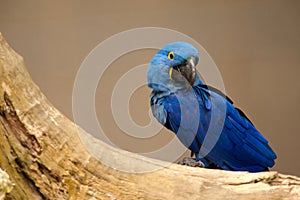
(170, 72)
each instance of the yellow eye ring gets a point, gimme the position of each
(171, 55)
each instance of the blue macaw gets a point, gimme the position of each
(193, 111)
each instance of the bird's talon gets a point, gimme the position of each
(191, 162)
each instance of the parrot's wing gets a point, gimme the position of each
(240, 145)
(219, 92)
(250, 150)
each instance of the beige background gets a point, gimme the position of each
(255, 44)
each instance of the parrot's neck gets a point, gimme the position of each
(197, 80)
(160, 94)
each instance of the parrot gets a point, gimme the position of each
(203, 118)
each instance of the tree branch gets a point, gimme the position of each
(45, 159)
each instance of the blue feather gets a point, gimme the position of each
(188, 111)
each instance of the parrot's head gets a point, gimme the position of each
(173, 68)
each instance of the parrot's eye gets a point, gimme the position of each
(171, 55)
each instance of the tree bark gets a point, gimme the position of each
(41, 151)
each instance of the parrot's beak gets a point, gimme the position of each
(186, 70)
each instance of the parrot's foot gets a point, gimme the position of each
(191, 162)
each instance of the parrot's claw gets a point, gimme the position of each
(191, 162)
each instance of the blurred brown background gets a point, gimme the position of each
(255, 44)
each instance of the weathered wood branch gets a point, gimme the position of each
(5, 184)
(41, 151)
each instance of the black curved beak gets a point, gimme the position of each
(185, 71)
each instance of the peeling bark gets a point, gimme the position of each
(41, 151)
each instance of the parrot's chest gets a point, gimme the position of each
(181, 109)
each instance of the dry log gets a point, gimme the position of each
(5, 184)
(45, 159)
